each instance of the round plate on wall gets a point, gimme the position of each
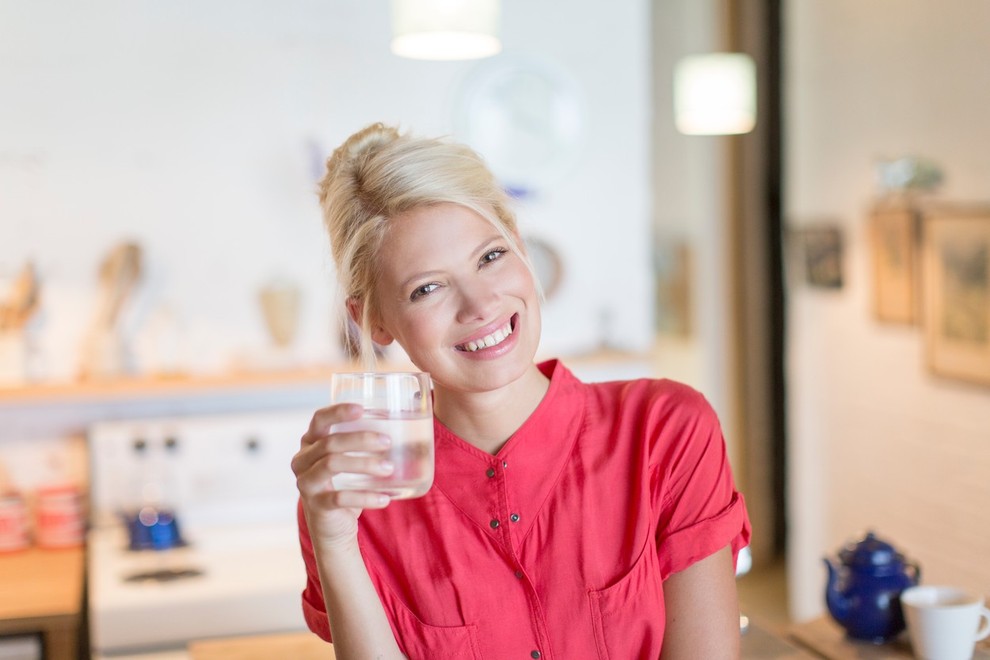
(525, 116)
(547, 263)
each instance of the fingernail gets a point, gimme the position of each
(384, 441)
(383, 500)
(386, 466)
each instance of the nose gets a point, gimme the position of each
(478, 301)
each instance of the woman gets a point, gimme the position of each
(567, 520)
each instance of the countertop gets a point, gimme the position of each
(827, 640)
(43, 592)
(757, 643)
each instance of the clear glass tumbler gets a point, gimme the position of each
(399, 405)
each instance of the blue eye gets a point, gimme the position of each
(424, 290)
(493, 255)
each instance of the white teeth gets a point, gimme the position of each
(488, 341)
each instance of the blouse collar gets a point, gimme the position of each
(524, 470)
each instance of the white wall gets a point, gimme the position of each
(198, 129)
(689, 205)
(875, 441)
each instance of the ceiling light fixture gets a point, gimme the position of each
(715, 94)
(445, 29)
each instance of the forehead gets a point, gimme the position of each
(427, 232)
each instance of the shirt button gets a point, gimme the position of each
(519, 574)
(490, 472)
(514, 517)
(534, 654)
(493, 524)
(504, 464)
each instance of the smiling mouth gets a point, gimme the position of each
(494, 339)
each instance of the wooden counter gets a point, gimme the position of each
(298, 646)
(42, 592)
(757, 644)
(828, 640)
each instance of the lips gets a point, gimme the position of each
(494, 338)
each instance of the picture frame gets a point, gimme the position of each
(956, 286)
(895, 241)
(821, 250)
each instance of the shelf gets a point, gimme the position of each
(151, 388)
(165, 387)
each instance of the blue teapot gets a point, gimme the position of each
(863, 593)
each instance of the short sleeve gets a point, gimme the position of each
(313, 607)
(699, 509)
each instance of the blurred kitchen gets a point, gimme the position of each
(168, 314)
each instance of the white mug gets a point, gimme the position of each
(944, 623)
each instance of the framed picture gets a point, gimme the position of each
(895, 238)
(956, 285)
(820, 247)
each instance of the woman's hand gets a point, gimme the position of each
(332, 514)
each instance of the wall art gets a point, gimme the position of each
(821, 252)
(894, 238)
(956, 286)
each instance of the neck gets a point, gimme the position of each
(488, 419)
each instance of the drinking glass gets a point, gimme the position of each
(399, 405)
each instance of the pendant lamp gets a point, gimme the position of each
(715, 94)
(445, 29)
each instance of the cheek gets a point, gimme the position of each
(523, 282)
(420, 327)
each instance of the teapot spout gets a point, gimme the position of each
(837, 602)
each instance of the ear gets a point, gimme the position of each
(379, 335)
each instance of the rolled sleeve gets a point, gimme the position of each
(684, 547)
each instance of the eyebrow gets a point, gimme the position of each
(409, 281)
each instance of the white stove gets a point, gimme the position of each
(238, 570)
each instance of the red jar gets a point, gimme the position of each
(60, 520)
(14, 527)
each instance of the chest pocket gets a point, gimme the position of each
(422, 641)
(628, 616)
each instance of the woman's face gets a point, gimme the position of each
(458, 298)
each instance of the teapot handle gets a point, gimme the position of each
(917, 571)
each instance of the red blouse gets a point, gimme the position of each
(556, 547)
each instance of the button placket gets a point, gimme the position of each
(490, 473)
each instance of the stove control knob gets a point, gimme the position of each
(252, 445)
(171, 443)
(140, 445)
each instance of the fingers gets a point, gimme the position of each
(315, 464)
(353, 451)
(350, 499)
(324, 418)
(373, 464)
(323, 454)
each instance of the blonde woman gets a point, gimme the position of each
(567, 520)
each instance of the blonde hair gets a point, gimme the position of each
(379, 173)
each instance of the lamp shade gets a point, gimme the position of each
(445, 29)
(715, 94)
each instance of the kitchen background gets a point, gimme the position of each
(197, 131)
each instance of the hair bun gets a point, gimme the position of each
(360, 145)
